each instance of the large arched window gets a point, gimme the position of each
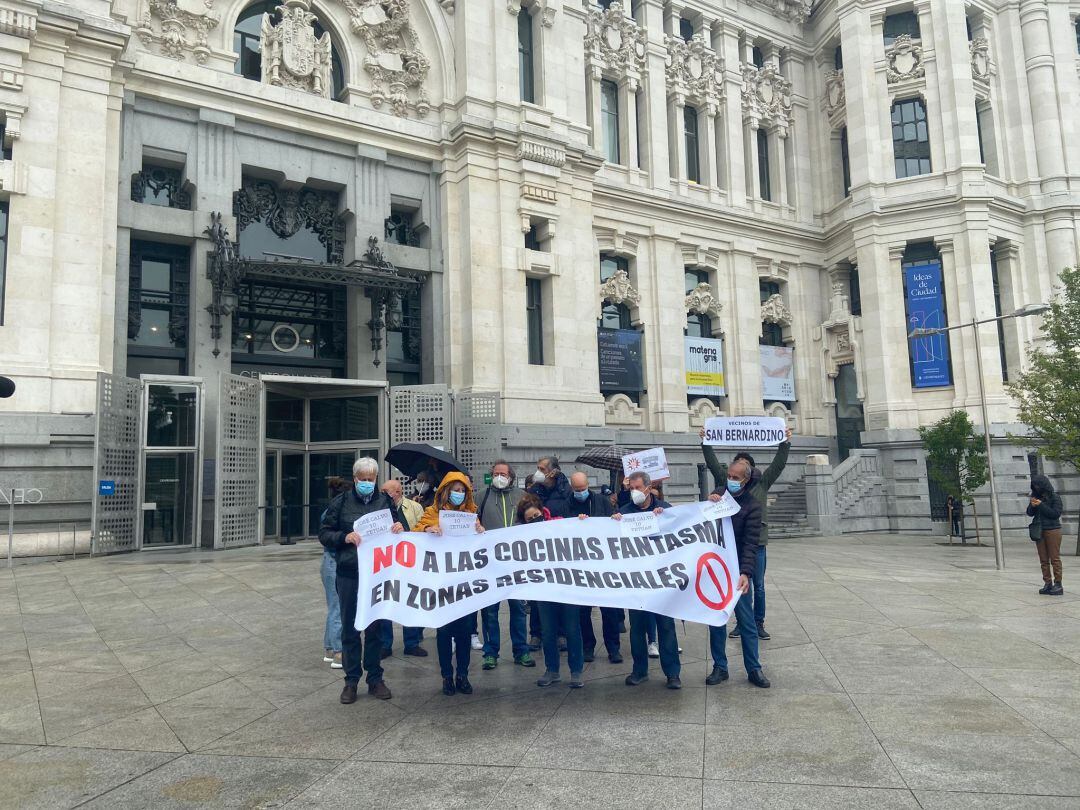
(246, 36)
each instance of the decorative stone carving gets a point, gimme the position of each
(779, 409)
(619, 290)
(542, 7)
(619, 409)
(615, 42)
(702, 409)
(904, 60)
(980, 57)
(394, 61)
(694, 71)
(766, 97)
(702, 301)
(447, 5)
(291, 56)
(835, 96)
(285, 212)
(181, 32)
(12, 115)
(17, 23)
(775, 311)
(541, 153)
(797, 11)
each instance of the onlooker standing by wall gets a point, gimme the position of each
(1045, 508)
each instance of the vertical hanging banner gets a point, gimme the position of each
(704, 366)
(620, 360)
(777, 373)
(925, 302)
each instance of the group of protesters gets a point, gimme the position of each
(550, 627)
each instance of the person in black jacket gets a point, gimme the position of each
(746, 525)
(337, 535)
(643, 500)
(1045, 507)
(552, 488)
(592, 504)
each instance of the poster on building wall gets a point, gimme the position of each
(620, 360)
(777, 373)
(704, 366)
(925, 301)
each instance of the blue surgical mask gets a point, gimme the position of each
(457, 498)
(581, 496)
(734, 487)
(365, 488)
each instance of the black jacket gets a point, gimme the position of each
(1049, 511)
(559, 498)
(338, 522)
(747, 527)
(631, 508)
(596, 506)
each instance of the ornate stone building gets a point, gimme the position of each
(547, 200)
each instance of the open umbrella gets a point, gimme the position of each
(604, 458)
(413, 459)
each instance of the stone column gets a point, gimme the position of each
(743, 371)
(628, 136)
(677, 107)
(595, 114)
(656, 102)
(780, 169)
(750, 134)
(706, 145)
(1043, 97)
(731, 119)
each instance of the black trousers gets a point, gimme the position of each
(460, 632)
(609, 622)
(358, 654)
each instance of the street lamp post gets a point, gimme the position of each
(1023, 312)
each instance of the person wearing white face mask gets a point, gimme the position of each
(592, 504)
(552, 488)
(498, 506)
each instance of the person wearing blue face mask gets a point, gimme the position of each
(746, 526)
(593, 504)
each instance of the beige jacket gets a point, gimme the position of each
(411, 511)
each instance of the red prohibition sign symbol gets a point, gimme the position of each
(707, 567)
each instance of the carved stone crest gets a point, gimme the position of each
(793, 10)
(702, 301)
(285, 212)
(835, 95)
(178, 30)
(397, 66)
(619, 290)
(904, 60)
(291, 56)
(775, 311)
(694, 71)
(615, 42)
(766, 97)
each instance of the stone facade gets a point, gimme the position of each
(416, 106)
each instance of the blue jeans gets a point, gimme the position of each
(492, 641)
(759, 586)
(328, 572)
(411, 636)
(650, 628)
(744, 613)
(665, 636)
(552, 614)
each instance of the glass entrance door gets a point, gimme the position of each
(322, 468)
(292, 495)
(849, 412)
(170, 464)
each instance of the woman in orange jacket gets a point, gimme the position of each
(455, 493)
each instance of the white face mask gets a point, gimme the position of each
(500, 482)
(637, 496)
(539, 477)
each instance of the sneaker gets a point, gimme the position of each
(548, 678)
(335, 662)
(590, 656)
(762, 633)
(418, 651)
(735, 633)
(379, 690)
(464, 686)
(328, 656)
(490, 662)
(758, 679)
(614, 657)
(535, 643)
(654, 650)
(477, 644)
(524, 660)
(576, 681)
(673, 682)
(680, 650)
(718, 675)
(348, 694)
(1057, 590)
(448, 686)
(633, 679)
(1044, 590)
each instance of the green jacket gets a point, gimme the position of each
(760, 481)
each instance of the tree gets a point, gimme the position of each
(956, 457)
(1048, 393)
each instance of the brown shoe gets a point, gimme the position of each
(348, 694)
(379, 690)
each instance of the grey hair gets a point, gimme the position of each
(641, 476)
(741, 462)
(553, 461)
(365, 465)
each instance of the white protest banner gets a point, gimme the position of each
(639, 524)
(653, 462)
(744, 431)
(373, 524)
(688, 570)
(454, 523)
(777, 373)
(704, 366)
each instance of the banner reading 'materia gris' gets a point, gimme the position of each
(687, 569)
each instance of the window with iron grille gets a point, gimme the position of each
(526, 67)
(160, 185)
(690, 127)
(158, 299)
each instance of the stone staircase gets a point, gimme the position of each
(787, 512)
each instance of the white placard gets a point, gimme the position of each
(777, 373)
(704, 359)
(653, 462)
(725, 507)
(639, 524)
(373, 524)
(455, 523)
(745, 431)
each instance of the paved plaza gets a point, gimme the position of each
(905, 674)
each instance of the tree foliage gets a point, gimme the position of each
(955, 455)
(1048, 393)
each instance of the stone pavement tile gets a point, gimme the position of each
(529, 788)
(7, 751)
(286, 688)
(1027, 682)
(920, 715)
(143, 731)
(22, 725)
(943, 800)
(846, 756)
(898, 679)
(790, 677)
(1072, 743)
(880, 648)
(77, 709)
(216, 781)
(55, 777)
(983, 644)
(17, 690)
(14, 662)
(208, 714)
(776, 708)
(173, 679)
(379, 785)
(581, 739)
(719, 795)
(74, 662)
(12, 642)
(987, 763)
(612, 698)
(136, 654)
(1058, 717)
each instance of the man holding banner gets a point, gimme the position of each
(592, 504)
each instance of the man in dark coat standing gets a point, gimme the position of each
(337, 534)
(592, 504)
(746, 525)
(552, 488)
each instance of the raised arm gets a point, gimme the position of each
(768, 478)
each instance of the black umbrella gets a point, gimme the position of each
(413, 459)
(604, 458)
